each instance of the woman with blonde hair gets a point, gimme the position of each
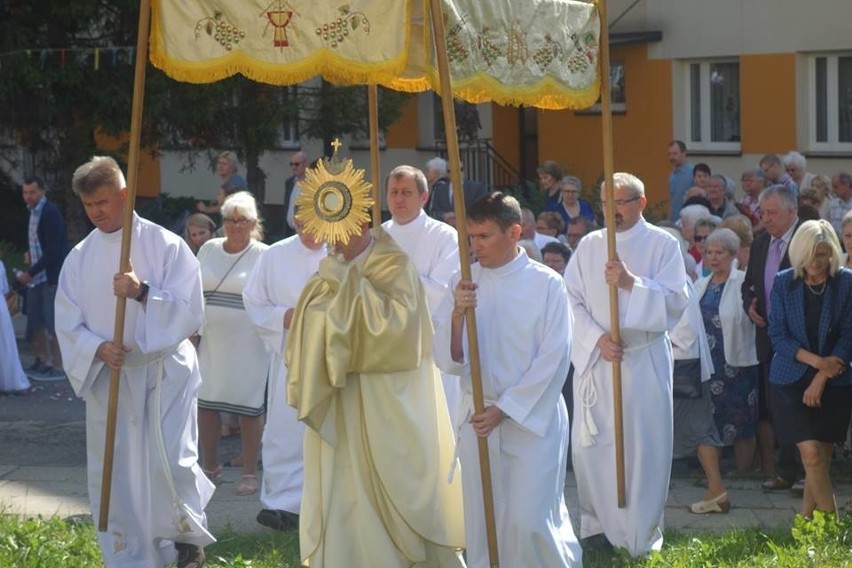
(233, 360)
(810, 326)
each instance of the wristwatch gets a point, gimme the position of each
(143, 292)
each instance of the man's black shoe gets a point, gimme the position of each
(597, 543)
(278, 519)
(189, 555)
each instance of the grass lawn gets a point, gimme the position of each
(821, 543)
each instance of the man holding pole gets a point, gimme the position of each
(652, 295)
(524, 332)
(158, 491)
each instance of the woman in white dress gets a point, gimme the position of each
(12, 376)
(234, 363)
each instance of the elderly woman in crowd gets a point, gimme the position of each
(742, 227)
(688, 216)
(731, 336)
(571, 205)
(694, 428)
(810, 325)
(199, 229)
(233, 360)
(700, 231)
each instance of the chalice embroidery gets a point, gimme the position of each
(280, 14)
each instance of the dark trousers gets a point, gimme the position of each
(568, 395)
(787, 467)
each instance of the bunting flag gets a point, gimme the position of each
(541, 53)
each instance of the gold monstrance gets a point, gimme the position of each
(334, 200)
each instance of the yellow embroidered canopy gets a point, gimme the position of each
(541, 53)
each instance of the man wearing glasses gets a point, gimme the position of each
(652, 295)
(299, 164)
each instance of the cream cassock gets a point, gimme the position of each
(158, 490)
(273, 288)
(646, 314)
(433, 247)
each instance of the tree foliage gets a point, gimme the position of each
(54, 102)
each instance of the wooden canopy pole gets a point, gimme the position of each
(375, 176)
(129, 205)
(615, 332)
(464, 255)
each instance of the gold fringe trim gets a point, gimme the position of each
(547, 93)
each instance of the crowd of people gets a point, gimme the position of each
(735, 326)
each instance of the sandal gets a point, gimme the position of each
(248, 485)
(719, 504)
(214, 474)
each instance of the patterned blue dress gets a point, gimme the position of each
(733, 389)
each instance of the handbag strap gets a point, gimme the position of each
(230, 268)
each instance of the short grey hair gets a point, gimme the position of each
(794, 158)
(758, 173)
(709, 222)
(629, 181)
(725, 237)
(100, 171)
(573, 181)
(692, 213)
(438, 165)
(847, 219)
(784, 194)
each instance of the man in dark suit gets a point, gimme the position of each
(440, 205)
(48, 247)
(299, 164)
(779, 214)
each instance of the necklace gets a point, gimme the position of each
(817, 290)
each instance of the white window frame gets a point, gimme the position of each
(704, 85)
(832, 145)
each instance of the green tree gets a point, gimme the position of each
(53, 100)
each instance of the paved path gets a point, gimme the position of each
(42, 472)
(45, 490)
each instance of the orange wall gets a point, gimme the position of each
(640, 135)
(768, 103)
(507, 134)
(148, 182)
(404, 132)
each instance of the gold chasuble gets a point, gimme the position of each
(379, 443)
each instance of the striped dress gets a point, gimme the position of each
(233, 360)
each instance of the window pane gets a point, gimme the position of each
(821, 100)
(844, 98)
(725, 102)
(695, 101)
